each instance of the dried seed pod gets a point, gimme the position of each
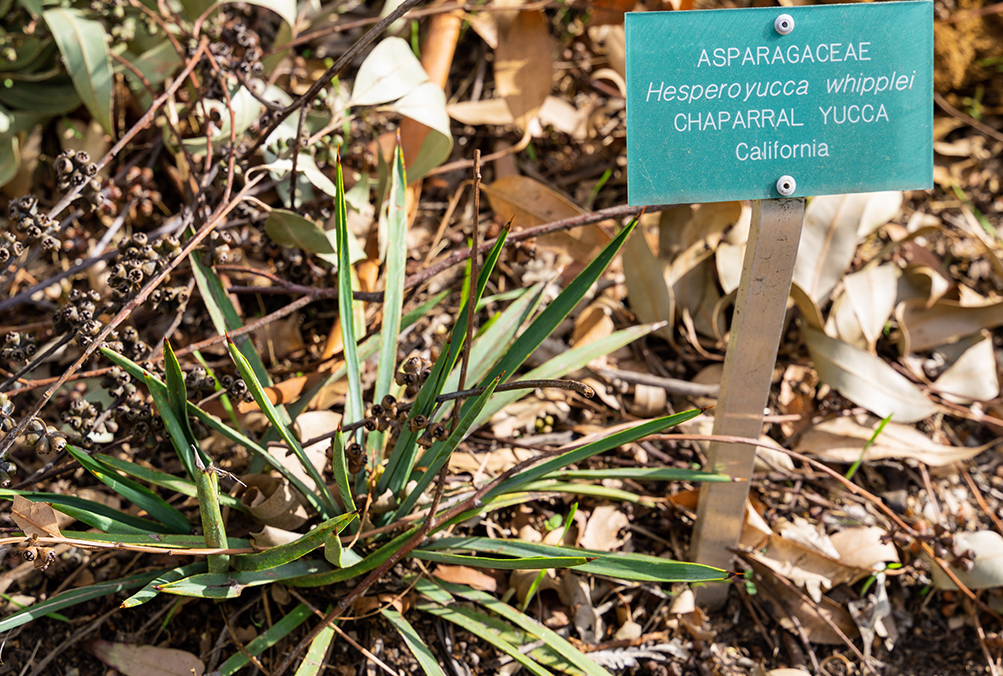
(439, 431)
(390, 405)
(355, 457)
(29, 553)
(419, 422)
(370, 424)
(411, 365)
(377, 411)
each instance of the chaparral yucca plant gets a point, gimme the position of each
(398, 451)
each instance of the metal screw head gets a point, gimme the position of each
(784, 24)
(786, 185)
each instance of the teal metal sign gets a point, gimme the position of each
(779, 101)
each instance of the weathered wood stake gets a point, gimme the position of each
(745, 384)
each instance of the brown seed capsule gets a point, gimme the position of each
(439, 431)
(355, 456)
(419, 422)
(411, 365)
(425, 441)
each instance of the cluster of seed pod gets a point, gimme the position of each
(77, 316)
(81, 415)
(6, 413)
(137, 417)
(117, 382)
(413, 374)
(44, 438)
(75, 170)
(137, 261)
(10, 248)
(219, 248)
(36, 226)
(236, 389)
(18, 347)
(142, 188)
(198, 383)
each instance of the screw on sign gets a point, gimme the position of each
(736, 104)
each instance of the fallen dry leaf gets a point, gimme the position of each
(866, 379)
(273, 502)
(35, 519)
(603, 528)
(864, 546)
(524, 64)
(832, 226)
(528, 203)
(843, 439)
(146, 660)
(947, 321)
(473, 577)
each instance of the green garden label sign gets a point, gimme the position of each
(773, 102)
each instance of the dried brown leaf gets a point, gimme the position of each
(146, 660)
(524, 64)
(843, 439)
(35, 519)
(947, 321)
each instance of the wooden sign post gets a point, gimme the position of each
(771, 104)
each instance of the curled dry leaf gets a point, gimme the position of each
(35, 519)
(973, 376)
(796, 612)
(832, 226)
(866, 379)
(947, 321)
(860, 314)
(864, 547)
(269, 537)
(272, 502)
(603, 529)
(843, 440)
(805, 566)
(146, 660)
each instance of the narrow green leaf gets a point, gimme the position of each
(175, 430)
(177, 397)
(353, 407)
(640, 474)
(555, 312)
(334, 550)
(429, 662)
(569, 361)
(138, 495)
(148, 592)
(398, 469)
(156, 540)
(588, 450)
(82, 42)
(72, 597)
(269, 638)
(159, 392)
(230, 585)
(213, 528)
(324, 503)
(479, 625)
(554, 640)
(393, 292)
(619, 565)
(523, 563)
(164, 480)
(298, 548)
(314, 659)
(92, 513)
(225, 318)
(339, 468)
(323, 579)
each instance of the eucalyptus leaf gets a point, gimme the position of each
(82, 42)
(389, 72)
